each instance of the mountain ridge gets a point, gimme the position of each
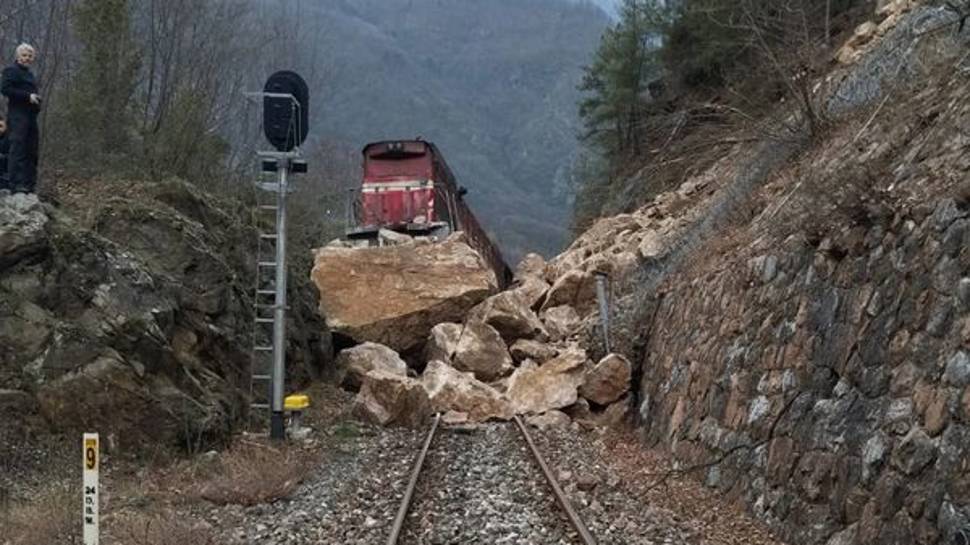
(494, 86)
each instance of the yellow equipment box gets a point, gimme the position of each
(296, 402)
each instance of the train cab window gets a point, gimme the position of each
(398, 150)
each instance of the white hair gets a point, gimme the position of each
(25, 48)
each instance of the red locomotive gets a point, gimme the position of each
(408, 188)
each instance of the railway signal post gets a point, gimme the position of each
(285, 99)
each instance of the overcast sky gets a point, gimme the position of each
(609, 6)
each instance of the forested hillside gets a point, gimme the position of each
(156, 88)
(673, 84)
(493, 83)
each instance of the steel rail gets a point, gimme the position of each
(402, 511)
(560, 495)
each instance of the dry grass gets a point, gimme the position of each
(251, 473)
(54, 517)
(161, 529)
(140, 509)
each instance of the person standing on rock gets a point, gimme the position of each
(23, 105)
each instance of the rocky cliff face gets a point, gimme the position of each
(800, 326)
(127, 311)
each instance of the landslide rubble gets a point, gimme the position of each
(497, 362)
(808, 356)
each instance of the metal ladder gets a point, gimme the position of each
(264, 300)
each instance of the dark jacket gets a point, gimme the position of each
(4, 151)
(17, 85)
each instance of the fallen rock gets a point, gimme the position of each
(579, 410)
(454, 418)
(526, 349)
(607, 380)
(392, 238)
(391, 399)
(561, 321)
(353, 363)
(509, 314)
(532, 265)
(576, 288)
(443, 342)
(852, 48)
(532, 291)
(612, 265)
(615, 415)
(863, 33)
(394, 295)
(553, 385)
(557, 420)
(501, 385)
(651, 245)
(481, 350)
(893, 7)
(452, 390)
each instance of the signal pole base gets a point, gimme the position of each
(277, 428)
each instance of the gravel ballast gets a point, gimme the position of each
(479, 485)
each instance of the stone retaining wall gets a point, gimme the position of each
(826, 384)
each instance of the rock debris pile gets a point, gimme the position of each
(448, 343)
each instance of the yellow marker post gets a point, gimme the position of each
(91, 461)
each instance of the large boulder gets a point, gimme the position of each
(553, 385)
(561, 321)
(452, 390)
(391, 399)
(481, 350)
(509, 313)
(394, 295)
(532, 291)
(576, 288)
(532, 265)
(443, 342)
(608, 380)
(355, 362)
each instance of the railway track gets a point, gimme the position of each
(471, 504)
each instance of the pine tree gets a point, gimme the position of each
(615, 83)
(100, 105)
